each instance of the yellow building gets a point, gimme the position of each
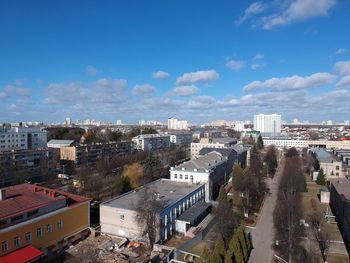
(46, 219)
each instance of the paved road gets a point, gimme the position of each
(262, 236)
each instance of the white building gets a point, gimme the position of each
(118, 216)
(268, 125)
(213, 169)
(151, 142)
(281, 143)
(175, 124)
(20, 138)
(180, 138)
(68, 121)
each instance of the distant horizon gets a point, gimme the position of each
(136, 60)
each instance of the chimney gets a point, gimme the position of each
(2, 194)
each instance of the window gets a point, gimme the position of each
(49, 228)
(121, 217)
(16, 241)
(29, 236)
(186, 177)
(39, 232)
(4, 246)
(16, 218)
(181, 176)
(191, 177)
(175, 176)
(60, 224)
(337, 168)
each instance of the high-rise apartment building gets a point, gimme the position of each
(175, 124)
(268, 125)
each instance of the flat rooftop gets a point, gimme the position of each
(191, 214)
(342, 185)
(202, 163)
(324, 156)
(167, 190)
(24, 198)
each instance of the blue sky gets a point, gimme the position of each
(196, 60)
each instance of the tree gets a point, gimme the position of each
(219, 248)
(237, 178)
(205, 255)
(134, 173)
(236, 249)
(287, 212)
(222, 194)
(270, 159)
(87, 253)
(215, 258)
(148, 211)
(260, 143)
(225, 220)
(321, 178)
(291, 152)
(240, 232)
(151, 168)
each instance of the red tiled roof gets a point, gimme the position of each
(27, 197)
(22, 255)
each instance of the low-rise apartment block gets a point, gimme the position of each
(180, 138)
(118, 216)
(31, 165)
(212, 169)
(40, 218)
(151, 142)
(90, 153)
(19, 138)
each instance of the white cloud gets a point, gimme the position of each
(91, 70)
(204, 76)
(19, 82)
(341, 51)
(144, 89)
(17, 90)
(2, 94)
(258, 56)
(185, 90)
(98, 93)
(342, 68)
(235, 64)
(344, 82)
(294, 82)
(160, 74)
(298, 10)
(254, 9)
(256, 66)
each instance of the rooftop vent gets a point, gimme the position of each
(2, 194)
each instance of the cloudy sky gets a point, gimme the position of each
(196, 60)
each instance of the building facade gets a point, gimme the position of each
(340, 205)
(175, 124)
(330, 164)
(30, 165)
(89, 153)
(284, 142)
(151, 142)
(211, 143)
(19, 138)
(40, 217)
(212, 169)
(118, 216)
(268, 125)
(181, 138)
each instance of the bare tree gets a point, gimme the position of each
(85, 253)
(287, 213)
(148, 210)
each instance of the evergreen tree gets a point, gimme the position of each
(222, 194)
(237, 250)
(215, 258)
(260, 142)
(220, 246)
(205, 255)
(243, 241)
(321, 178)
(237, 178)
(229, 256)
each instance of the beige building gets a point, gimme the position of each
(281, 142)
(331, 165)
(211, 143)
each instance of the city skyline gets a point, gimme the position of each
(195, 62)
